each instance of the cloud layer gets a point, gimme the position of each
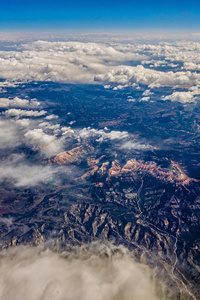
(115, 65)
(100, 273)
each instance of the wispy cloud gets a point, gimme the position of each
(20, 172)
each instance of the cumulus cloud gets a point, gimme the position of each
(18, 102)
(67, 131)
(12, 131)
(50, 117)
(104, 273)
(145, 98)
(101, 134)
(62, 61)
(147, 93)
(124, 140)
(184, 97)
(13, 112)
(34, 133)
(129, 76)
(47, 144)
(110, 64)
(23, 122)
(191, 66)
(49, 125)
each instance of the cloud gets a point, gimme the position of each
(147, 93)
(108, 63)
(9, 134)
(18, 102)
(20, 172)
(23, 123)
(145, 99)
(49, 125)
(50, 117)
(101, 134)
(26, 174)
(125, 140)
(5, 84)
(62, 61)
(13, 112)
(47, 144)
(183, 97)
(67, 131)
(191, 66)
(129, 145)
(129, 76)
(106, 272)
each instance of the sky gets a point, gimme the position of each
(99, 15)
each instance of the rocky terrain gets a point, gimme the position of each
(128, 175)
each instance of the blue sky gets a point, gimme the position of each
(99, 15)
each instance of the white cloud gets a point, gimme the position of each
(5, 84)
(13, 112)
(109, 64)
(72, 122)
(101, 135)
(17, 170)
(191, 66)
(129, 145)
(18, 102)
(128, 76)
(23, 123)
(145, 98)
(124, 140)
(25, 174)
(47, 144)
(9, 134)
(147, 93)
(47, 125)
(50, 117)
(4, 102)
(62, 61)
(73, 275)
(67, 131)
(184, 97)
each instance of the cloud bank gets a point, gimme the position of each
(115, 65)
(99, 272)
